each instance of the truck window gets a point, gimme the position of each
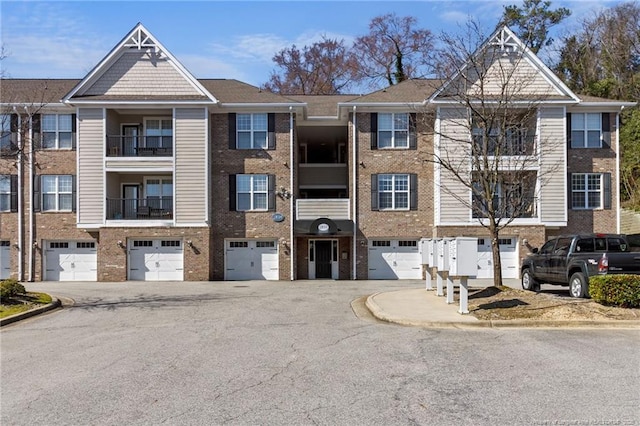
(585, 245)
(601, 244)
(617, 245)
(547, 247)
(563, 245)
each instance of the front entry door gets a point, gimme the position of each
(323, 259)
(130, 140)
(130, 201)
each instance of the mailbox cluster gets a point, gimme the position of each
(457, 257)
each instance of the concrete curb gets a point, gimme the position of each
(55, 303)
(379, 313)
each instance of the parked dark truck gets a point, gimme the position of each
(572, 259)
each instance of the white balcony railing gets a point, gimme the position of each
(314, 208)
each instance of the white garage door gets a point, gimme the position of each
(5, 259)
(508, 257)
(251, 260)
(70, 261)
(156, 260)
(394, 259)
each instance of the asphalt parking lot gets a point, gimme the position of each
(275, 353)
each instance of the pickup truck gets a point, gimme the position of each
(570, 260)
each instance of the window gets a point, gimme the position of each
(5, 193)
(251, 192)
(159, 133)
(238, 244)
(170, 243)
(143, 243)
(393, 192)
(586, 130)
(5, 132)
(88, 245)
(547, 248)
(54, 245)
(587, 190)
(393, 130)
(57, 131)
(57, 192)
(265, 244)
(252, 130)
(410, 243)
(159, 193)
(381, 243)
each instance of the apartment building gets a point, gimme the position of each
(141, 171)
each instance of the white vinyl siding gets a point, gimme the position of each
(90, 189)
(453, 129)
(553, 192)
(190, 190)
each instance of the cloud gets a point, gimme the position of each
(455, 17)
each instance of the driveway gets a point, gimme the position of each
(276, 353)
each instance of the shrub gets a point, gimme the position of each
(11, 288)
(618, 290)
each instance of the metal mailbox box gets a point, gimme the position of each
(462, 256)
(443, 254)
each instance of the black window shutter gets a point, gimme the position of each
(374, 192)
(232, 193)
(606, 130)
(606, 185)
(35, 125)
(374, 130)
(570, 192)
(413, 134)
(74, 183)
(36, 193)
(271, 131)
(14, 123)
(413, 191)
(14, 193)
(73, 131)
(232, 131)
(569, 130)
(271, 197)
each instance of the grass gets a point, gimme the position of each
(23, 303)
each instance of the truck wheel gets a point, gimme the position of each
(578, 285)
(528, 282)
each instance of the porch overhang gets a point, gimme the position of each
(323, 226)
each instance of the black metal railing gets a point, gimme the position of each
(151, 208)
(509, 145)
(139, 146)
(507, 207)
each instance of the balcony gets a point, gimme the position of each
(139, 146)
(157, 208)
(508, 207)
(314, 208)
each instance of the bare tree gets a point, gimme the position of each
(487, 146)
(393, 51)
(320, 69)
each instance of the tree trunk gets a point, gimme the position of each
(497, 262)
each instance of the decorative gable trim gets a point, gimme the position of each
(141, 39)
(503, 38)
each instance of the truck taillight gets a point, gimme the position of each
(603, 264)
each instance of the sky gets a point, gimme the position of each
(218, 39)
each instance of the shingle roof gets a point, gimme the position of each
(234, 91)
(322, 105)
(410, 91)
(40, 91)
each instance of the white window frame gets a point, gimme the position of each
(163, 134)
(57, 194)
(585, 129)
(163, 204)
(253, 192)
(394, 130)
(5, 193)
(394, 191)
(588, 190)
(254, 128)
(57, 131)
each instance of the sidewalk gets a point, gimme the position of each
(422, 308)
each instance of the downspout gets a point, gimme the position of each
(354, 186)
(20, 197)
(292, 198)
(618, 212)
(30, 165)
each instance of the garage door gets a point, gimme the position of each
(394, 259)
(156, 260)
(251, 260)
(508, 256)
(71, 261)
(5, 259)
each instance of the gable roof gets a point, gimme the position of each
(506, 41)
(139, 46)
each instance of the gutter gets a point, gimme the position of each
(32, 243)
(354, 212)
(20, 201)
(292, 247)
